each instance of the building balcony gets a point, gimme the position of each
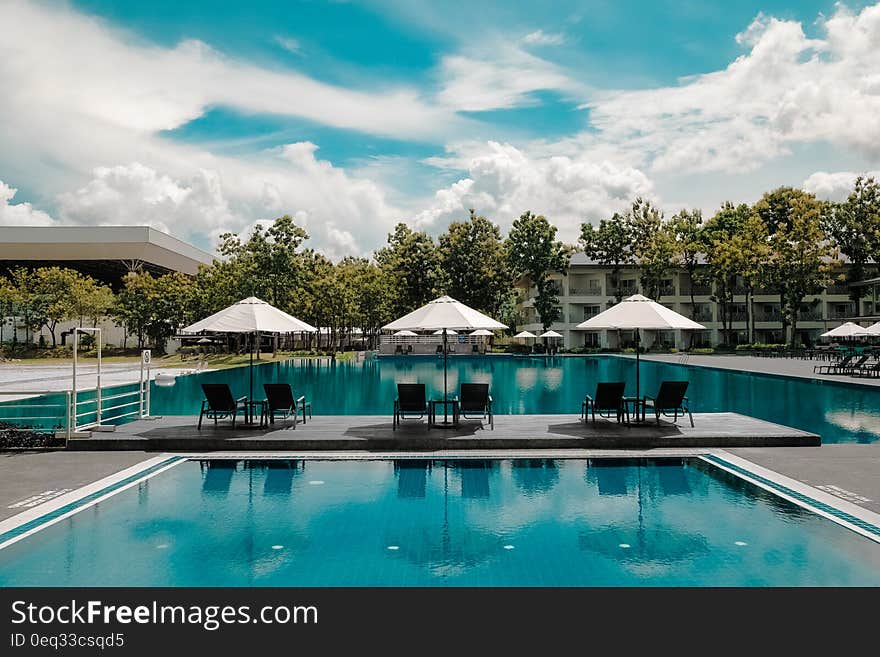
(667, 291)
(837, 288)
(584, 291)
(698, 290)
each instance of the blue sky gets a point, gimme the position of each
(201, 117)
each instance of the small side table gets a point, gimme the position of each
(252, 406)
(449, 406)
(634, 406)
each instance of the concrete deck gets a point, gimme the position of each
(794, 367)
(28, 479)
(374, 432)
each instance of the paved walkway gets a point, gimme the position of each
(785, 366)
(850, 472)
(31, 478)
(56, 378)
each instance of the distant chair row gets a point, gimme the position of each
(610, 401)
(858, 366)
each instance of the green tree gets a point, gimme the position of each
(153, 308)
(533, 251)
(802, 255)
(854, 226)
(687, 230)
(611, 244)
(412, 262)
(775, 208)
(91, 300)
(746, 253)
(653, 245)
(722, 266)
(52, 292)
(268, 264)
(473, 259)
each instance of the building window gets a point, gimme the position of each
(590, 311)
(591, 339)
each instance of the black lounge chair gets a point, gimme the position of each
(870, 370)
(670, 399)
(475, 403)
(281, 402)
(849, 368)
(608, 400)
(410, 404)
(219, 403)
(827, 369)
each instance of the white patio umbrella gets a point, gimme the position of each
(444, 314)
(874, 329)
(251, 315)
(482, 333)
(550, 334)
(851, 330)
(525, 334)
(448, 332)
(639, 312)
(405, 334)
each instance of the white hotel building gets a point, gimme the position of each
(586, 290)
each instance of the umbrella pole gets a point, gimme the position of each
(251, 396)
(637, 363)
(445, 355)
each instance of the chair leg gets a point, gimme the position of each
(691, 417)
(201, 415)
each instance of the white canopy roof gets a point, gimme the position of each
(849, 330)
(444, 313)
(405, 333)
(525, 334)
(448, 332)
(248, 316)
(483, 332)
(550, 334)
(639, 312)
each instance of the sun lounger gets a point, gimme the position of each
(670, 399)
(848, 368)
(281, 402)
(827, 369)
(475, 403)
(869, 370)
(608, 400)
(219, 403)
(410, 404)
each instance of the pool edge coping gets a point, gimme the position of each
(805, 496)
(79, 499)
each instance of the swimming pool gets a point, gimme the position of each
(837, 412)
(536, 522)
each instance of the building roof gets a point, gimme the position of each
(106, 252)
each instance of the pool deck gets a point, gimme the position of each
(374, 432)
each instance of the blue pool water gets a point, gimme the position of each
(837, 412)
(443, 523)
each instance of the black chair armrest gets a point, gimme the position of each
(588, 398)
(490, 399)
(301, 399)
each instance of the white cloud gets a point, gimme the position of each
(19, 214)
(786, 89)
(541, 38)
(504, 181)
(498, 77)
(835, 186)
(289, 44)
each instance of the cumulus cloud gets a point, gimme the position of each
(541, 38)
(504, 181)
(786, 89)
(19, 214)
(835, 186)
